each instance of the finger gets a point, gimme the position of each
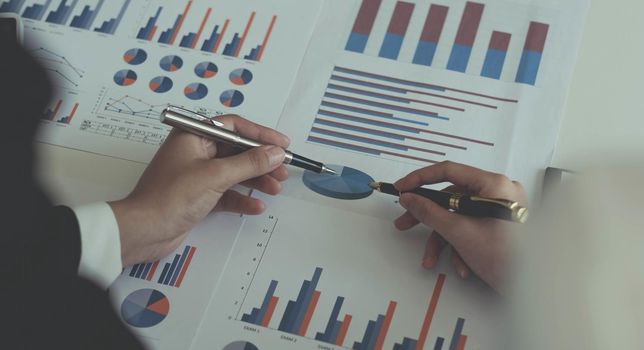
(266, 184)
(405, 222)
(280, 174)
(464, 176)
(229, 171)
(429, 213)
(235, 202)
(253, 131)
(461, 267)
(433, 248)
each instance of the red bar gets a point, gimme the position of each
(537, 35)
(385, 325)
(203, 24)
(500, 41)
(461, 342)
(185, 266)
(309, 313)
(366, 16)
(269, 313)
(438, 287)
(339, 144)
(434, 23)
(469, 24)
(268, 34)
(400, 19)
(152, 270)
(183, 18)
(71, 115)
(343, 330)
(243, 38)
(56, 109)
(152, 32)
(221, 35)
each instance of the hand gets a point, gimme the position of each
(481, 245)
(190, 177)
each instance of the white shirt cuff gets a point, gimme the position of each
(100, 243)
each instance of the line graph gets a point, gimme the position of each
(134, 107)
(64, 71)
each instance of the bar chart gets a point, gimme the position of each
(200, 29)
(297, 317)
(385, 116)
(431, 36)
(173, 272)
(56, 112)
(70, 13)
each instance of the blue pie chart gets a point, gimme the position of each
(241, 76)
(240, 345)
(171, 63)
(231, 98)
(135, 56)
(145, 308)
(195, 91)
(350, 183)
(161, 84)
(125, 77)
(206, 70)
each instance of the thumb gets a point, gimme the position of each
(247, 165)
(430, 214)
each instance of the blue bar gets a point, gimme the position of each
(266, 302)
(139, 271)
(145, 31)
(36, 11)
(175, 261)
(529, 67)
(360, 139)
(250, 318)
(307, 300)
(109, 27)
(365, 339)
(375, 114)
(81, 20)
(335, 332)
(12, 6)
(368, 93)
(376, 331)
(383, 105)
(253, 53)
(369, 132)
(349, 147)
(357, 42)
(184, 255)
(167, 35)
(134, 270)
(369, 122)
(209, 44)
(407, 344)
(493, 65)
(287, 313)
(186, 41)
(297, 304)
(457, 333)
(439, 343)
(389, 79)
(231, 47)
(459, 58)
(164, 273)
(326, 336)
(391, 46)
(368, 84)
(144, 275)
(425, 52)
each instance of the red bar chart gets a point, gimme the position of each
(173, 272)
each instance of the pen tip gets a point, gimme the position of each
(375, 185)
(328, 170)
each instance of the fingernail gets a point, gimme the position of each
(404, 201)
(427, 263)
(275, 155)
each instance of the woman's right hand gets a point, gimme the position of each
(481, 245)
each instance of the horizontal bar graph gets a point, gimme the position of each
(172, 274)
(470, 23)
(298, 313)
(385, 116)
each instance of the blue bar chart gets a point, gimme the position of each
(110, 26)
(36, 11)
(174, 272)
(12, 6)
(62, 13)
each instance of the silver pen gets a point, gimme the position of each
(209, 128)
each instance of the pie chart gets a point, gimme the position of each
(145, 308)
(241, 76)
(231, 98)
(240, 345)
(161, 84)
(206, 70)
(171, 63)
(125, 77)
(349, 184)
(196, 91)
(135, 56)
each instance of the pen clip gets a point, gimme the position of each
(194, 115)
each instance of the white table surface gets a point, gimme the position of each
(603, 120)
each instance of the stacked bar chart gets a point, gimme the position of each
(470, 21)
(173, 272)
(385, 116)
(298, 313)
